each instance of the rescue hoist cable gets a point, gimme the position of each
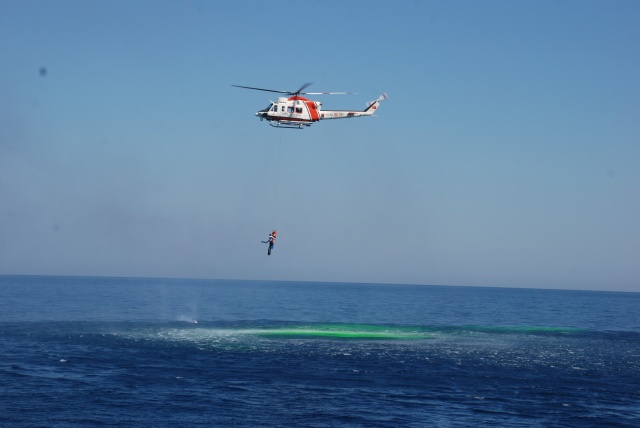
(275, 199)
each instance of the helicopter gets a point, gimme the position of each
(297, 111)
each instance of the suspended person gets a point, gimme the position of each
(271, 241)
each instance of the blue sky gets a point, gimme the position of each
(507, 153)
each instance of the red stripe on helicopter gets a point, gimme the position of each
(312, 110)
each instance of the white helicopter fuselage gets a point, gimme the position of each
(297, 111)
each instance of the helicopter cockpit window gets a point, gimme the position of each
(274, 107)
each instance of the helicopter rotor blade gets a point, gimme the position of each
(262, 89)
(328, 93)
(298, 92)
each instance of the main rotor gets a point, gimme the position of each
(295, 93)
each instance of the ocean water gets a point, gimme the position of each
(114, 352)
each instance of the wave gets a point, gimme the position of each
(300, 330)
(342, 331)
(266, 334)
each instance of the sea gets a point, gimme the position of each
(147, 352)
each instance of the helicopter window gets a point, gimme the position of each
(298, 109)
(283, 108)
(274, 107)
(289, 109)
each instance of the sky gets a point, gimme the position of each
(507, 154)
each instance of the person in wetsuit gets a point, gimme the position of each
(272, 240)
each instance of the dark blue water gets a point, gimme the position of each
(161, 352)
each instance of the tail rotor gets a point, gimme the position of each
(382, 97)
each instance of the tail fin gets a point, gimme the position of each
(373, 105)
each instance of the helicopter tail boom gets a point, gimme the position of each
(344, 114)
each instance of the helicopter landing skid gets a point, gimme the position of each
(289, 125)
